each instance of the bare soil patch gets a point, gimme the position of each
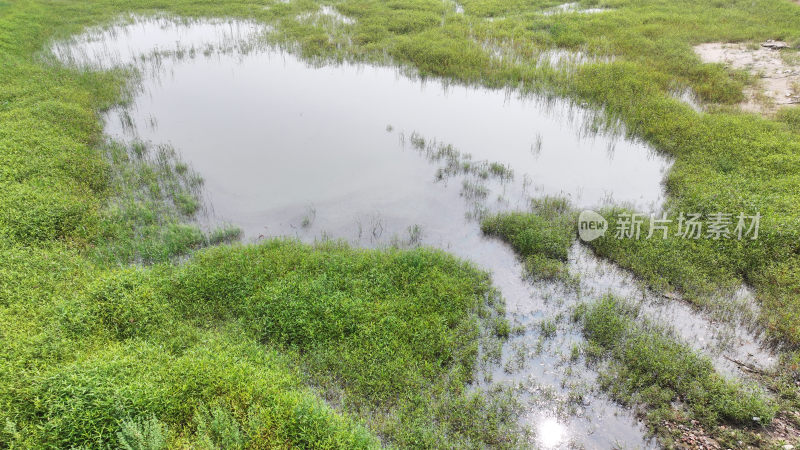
(778, 71)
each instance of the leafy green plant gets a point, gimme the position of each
(149, 434)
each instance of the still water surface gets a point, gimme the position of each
(314, 152)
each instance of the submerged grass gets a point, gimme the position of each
(647, 367)
(703, 269)
(650, 367)
(153, 194)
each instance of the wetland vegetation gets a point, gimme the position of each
(125, 322)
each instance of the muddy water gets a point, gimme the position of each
(350, 152)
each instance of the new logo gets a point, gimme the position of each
(591, 225)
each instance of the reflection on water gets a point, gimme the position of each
(268, 132)
(573, 7)
(346, 151)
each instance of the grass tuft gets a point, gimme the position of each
(652, 368)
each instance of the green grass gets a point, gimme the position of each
(702, 269)
(92, 401)
(696, 267)
(94, 350)
(541, 237)
(652, 368)
(152, 195)
(245, 331)
(276, 345)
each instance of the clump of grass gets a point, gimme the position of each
(181, 168)
(225, 235)
(472, 190)
(415, 234)
(541, 267)
(541, 237)
(548, 328)
(417, 141)
(501, 171)
(215, 347)
(696, 267)
(186, 203)
(150, 434)
(455, 162)
(651, 368)
(309, 217)
(547, 230)
(218, 428)
(791, 117)
(357, 332)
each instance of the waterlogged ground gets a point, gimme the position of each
(375, 157)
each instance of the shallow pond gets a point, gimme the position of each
(375, 157)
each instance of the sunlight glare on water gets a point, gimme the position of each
(551, 433)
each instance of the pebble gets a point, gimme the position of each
(775, 45)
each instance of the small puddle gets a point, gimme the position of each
(688, 96)
(574, 7)
(371, 156)
(559, 59)
(326, 12)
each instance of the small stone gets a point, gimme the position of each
(756, 419)
(788, 447)
(775, 45)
